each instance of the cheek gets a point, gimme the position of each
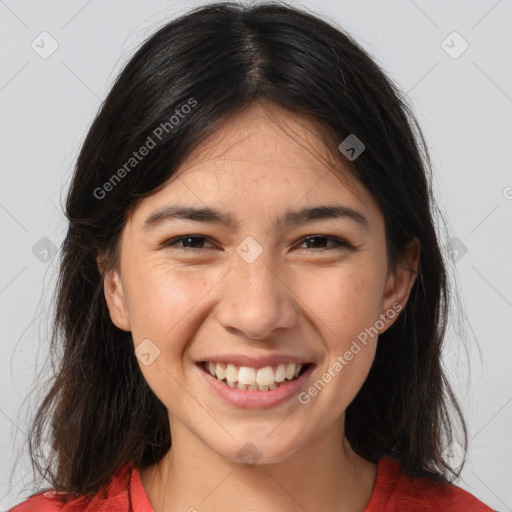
(344, 310)
(162, 300)
(164, 308)
(343, 302)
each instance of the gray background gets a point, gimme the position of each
(464, 105)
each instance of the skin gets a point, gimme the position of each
(292, 299)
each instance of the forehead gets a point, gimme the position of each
(263, 156)
(263, 137)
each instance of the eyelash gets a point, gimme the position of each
(338, 241)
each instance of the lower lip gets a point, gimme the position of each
(257, 399)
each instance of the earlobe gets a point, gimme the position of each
(115, 299)
(399, 283)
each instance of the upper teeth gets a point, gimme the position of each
(246, 375)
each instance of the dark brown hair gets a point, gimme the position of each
(219, 59)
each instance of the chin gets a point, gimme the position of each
(256, 451)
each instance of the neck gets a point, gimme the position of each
(326, 475)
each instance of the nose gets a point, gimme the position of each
(256, 299)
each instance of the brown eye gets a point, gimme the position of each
(319, 242)
(188, 241)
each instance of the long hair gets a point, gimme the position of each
(187, 79)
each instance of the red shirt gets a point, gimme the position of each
(393, 492)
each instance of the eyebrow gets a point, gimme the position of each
(290, 218)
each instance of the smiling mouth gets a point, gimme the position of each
(254, 379)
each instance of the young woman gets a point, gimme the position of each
(252, 298)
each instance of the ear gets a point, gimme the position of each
(114, 297)
(399, 283)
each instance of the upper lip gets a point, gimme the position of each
(255, 361)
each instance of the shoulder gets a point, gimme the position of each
(49, 501)
(114, 496)
(394, 490)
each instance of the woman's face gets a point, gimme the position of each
(268, 285)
